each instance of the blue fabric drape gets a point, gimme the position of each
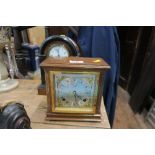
(102, 41)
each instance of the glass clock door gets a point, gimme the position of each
(74, 92)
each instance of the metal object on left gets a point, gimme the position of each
(14, 116)
(7, 61)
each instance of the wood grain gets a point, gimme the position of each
(92, 63)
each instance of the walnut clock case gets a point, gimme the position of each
(74, 88)
(57, 46)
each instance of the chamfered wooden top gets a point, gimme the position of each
(77, 62)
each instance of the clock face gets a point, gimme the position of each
(75, 91)
(58, 52)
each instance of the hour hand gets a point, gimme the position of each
(74, 92)
(58, 53)
(76, 95)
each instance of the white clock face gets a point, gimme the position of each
(58, 52)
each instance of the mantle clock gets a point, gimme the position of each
(74, 88)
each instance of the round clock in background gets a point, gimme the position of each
(59, 46)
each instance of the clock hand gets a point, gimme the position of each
(75, 95)
(58, 54)
(57, 50)
(74, 92)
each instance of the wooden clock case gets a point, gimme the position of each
(73, 64)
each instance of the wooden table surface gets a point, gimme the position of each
(35, 106)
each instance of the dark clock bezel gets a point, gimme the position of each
(55, 44)
(74, 49)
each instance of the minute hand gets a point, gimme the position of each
(76, 96)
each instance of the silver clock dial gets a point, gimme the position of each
(59, 52)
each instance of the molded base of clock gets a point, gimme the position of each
(73, 117)
(41, 89)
